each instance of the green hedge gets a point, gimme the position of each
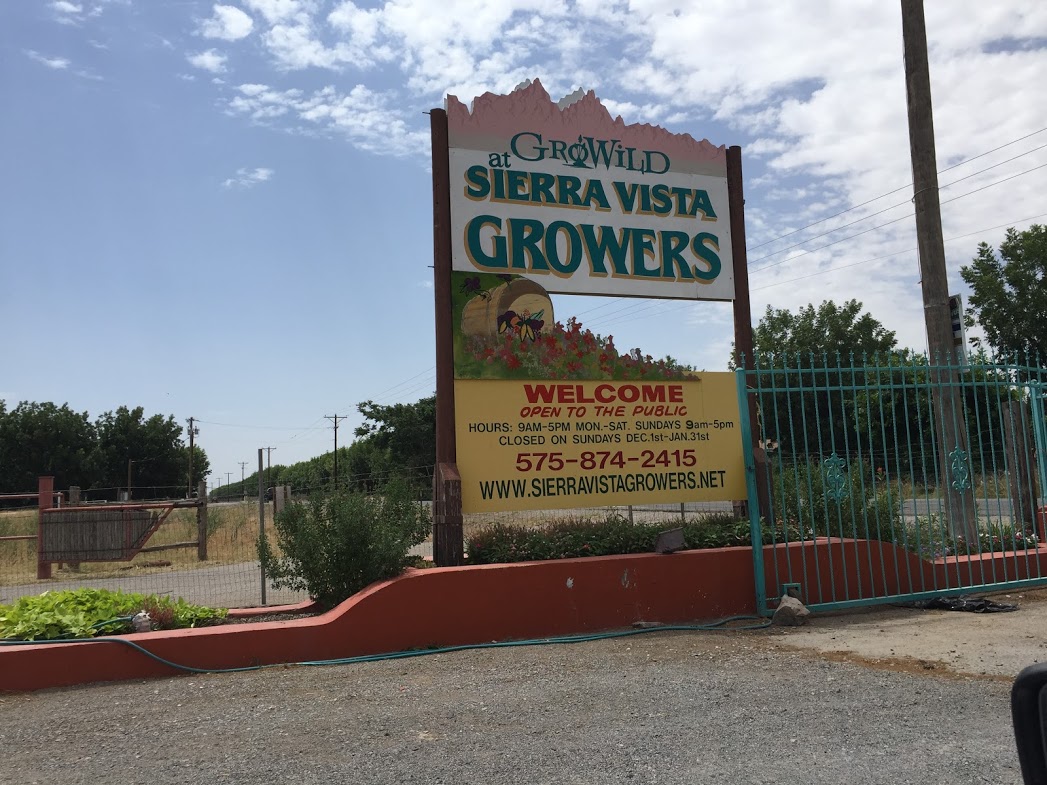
(577, 537)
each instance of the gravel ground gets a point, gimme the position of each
(662, 707)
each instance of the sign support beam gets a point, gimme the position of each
(448, 542)
(744, 348)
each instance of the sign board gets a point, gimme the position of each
(583, 203)
(959, 332)
(560, 198)
(550, 445)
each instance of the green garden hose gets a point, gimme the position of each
(760, 623)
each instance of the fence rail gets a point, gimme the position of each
(864, 485)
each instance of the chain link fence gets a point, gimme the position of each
(230, 576)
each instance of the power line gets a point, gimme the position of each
(256, 427)
(896, 253)
(896, 190)
(902, 204)
(681, 304)
(896, 220)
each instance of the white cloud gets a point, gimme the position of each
(228, 23)
(370, 120)
(276, 10)
(248, 178)
(57, 63)
(815, 94)
(67, 13)
(210, 60)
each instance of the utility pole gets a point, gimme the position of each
(335, 419)
(947, 401)
(268, 466)
(192, 433)
(129, 462)
(243, 487)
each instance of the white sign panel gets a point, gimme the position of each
(584, 204)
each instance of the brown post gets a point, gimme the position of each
(45, 501)
(448, 544)
(946, 398)
(201, 521)
(743, 325)
(1018, 444)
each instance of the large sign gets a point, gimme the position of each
(550, 198)
(585, 204)
(550, 445)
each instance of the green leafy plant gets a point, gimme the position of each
(85, 613)
(334, 545)
(861, 503)
(929, 537)
(575, 537)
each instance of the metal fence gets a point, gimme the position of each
(873, 498)
(152, 547)
(136, 548)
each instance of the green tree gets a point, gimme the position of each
(1009, 293)
(402, 438)
(153, 444)
(815, 347)
(822, 333)
(44, 439)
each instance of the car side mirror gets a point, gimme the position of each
(1029, 715)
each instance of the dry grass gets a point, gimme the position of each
(233, 532)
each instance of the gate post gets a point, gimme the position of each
(45, 501)
(201, 521)
(752, 490)
(1020, 484)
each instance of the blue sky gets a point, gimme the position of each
(224, 210)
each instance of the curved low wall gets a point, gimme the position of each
(423, 608)
(463, 605)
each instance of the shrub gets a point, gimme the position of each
(334, 545)
(869, 507)
(578, 537)
(82, 613)
(929, 537)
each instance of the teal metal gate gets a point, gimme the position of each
(864, 499)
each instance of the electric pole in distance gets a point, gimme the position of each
(947, 400)
(335, 419)
(243, 488)
(268, 466)
(193, 431)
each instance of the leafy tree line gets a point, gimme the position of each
(46, 439)
(853, 391)
(395, 441)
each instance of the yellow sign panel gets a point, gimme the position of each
(561, 444)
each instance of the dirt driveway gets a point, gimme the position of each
(828, 704)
